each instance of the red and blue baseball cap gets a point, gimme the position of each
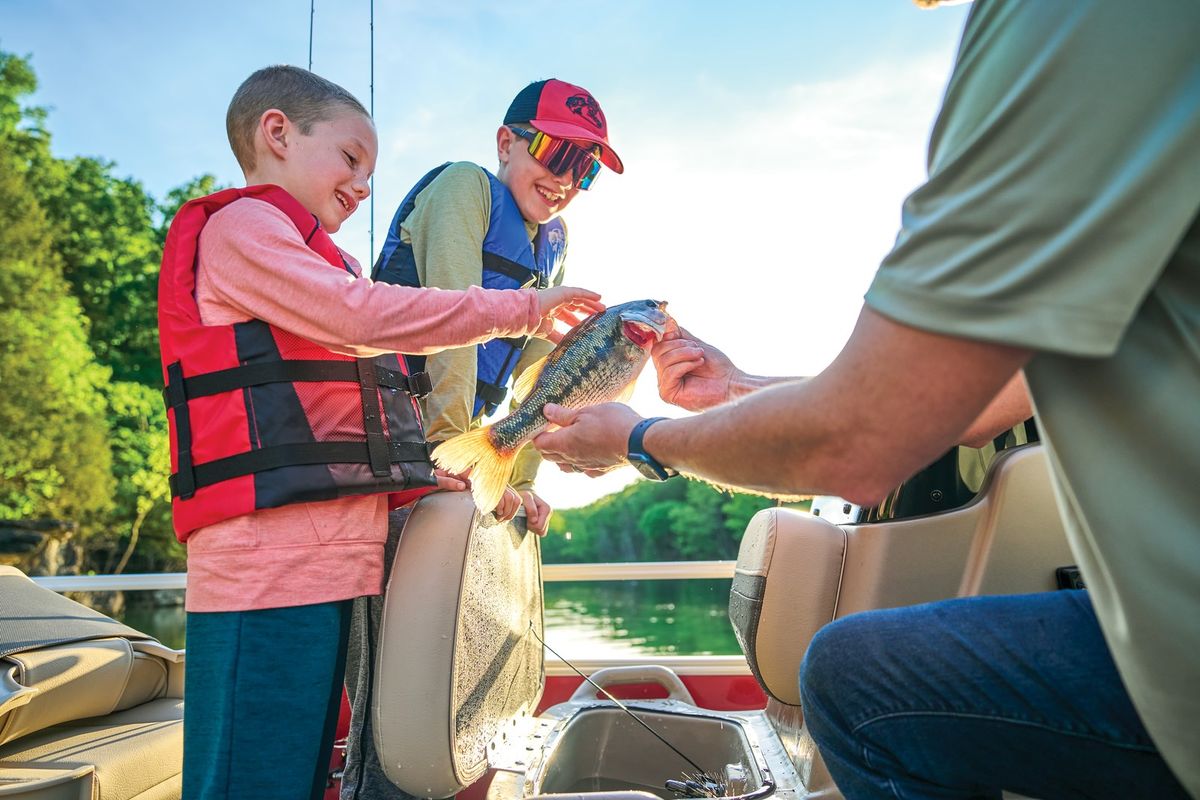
(564, 111)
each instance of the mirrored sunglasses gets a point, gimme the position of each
(561, 155)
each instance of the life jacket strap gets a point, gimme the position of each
(373, 419)
(523, 275)
(491, 394)
(288, 455)
(291, 371)
(183, 482)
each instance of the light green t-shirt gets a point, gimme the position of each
(1060, 214)
(446, 229)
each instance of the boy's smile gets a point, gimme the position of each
(327, 169)
(540, 195)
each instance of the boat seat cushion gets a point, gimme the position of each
(46, 687)
(785, 588)
(796, 572)
(137, 754)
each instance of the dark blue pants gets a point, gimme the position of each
(965, 698)
(262, 694)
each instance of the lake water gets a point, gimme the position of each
(584, 619)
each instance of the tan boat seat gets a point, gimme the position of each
(131, 755)
(459, 654)
(99, 718)
(797, 572)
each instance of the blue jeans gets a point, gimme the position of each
(965, 698)
(262, 694)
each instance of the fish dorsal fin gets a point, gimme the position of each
(524, 382)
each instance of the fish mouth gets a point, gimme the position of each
(645, 324)
(640, 334)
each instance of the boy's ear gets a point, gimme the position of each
(274, 127)
(504, 140)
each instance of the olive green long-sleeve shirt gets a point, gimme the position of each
(446, 230)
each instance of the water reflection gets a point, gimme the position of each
(685, 617)
(165, 622)
(584, 619)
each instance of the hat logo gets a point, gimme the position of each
(586, 106)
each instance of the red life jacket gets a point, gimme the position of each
(261, 418)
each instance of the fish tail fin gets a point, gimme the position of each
(490, 468)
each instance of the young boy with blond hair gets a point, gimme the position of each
(291, 424)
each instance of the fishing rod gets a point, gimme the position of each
(312, 11)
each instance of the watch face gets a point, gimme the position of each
(645, 468)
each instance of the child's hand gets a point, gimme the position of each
(510, 504)
(565, 304)
(449, 482)
(537, 512)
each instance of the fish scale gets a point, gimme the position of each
(614, 363)
(596, 362)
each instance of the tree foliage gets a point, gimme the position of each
(676, 520)
(104, 234)
(82, 426)
(53, 452)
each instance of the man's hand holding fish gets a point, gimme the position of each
(591, 440)
(694, 375)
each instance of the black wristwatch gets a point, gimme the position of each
(643, 461)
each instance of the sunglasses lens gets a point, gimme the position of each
(561, 156)
(587, 174)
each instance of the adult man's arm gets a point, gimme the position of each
(1010, 407)
(835, 433)
(696, 376)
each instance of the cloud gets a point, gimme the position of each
(762, 226)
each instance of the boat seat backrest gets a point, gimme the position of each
(45, 686)
(459, 650)
(796, 572)
(96, 718)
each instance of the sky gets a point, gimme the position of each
(768, 146)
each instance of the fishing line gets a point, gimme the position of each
(701, 772)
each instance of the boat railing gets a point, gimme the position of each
(605, 571)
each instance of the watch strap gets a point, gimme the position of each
(637, 450)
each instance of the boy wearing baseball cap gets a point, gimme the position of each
(462, 226)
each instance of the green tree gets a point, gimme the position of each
(197, 187)
(54, 456)
(738, 509)
(698, 524)
(104, 234)
(141, 519)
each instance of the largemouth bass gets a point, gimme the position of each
(596, 362)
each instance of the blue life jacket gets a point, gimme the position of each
(510, 261)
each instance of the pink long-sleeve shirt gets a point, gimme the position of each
(253, 264)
